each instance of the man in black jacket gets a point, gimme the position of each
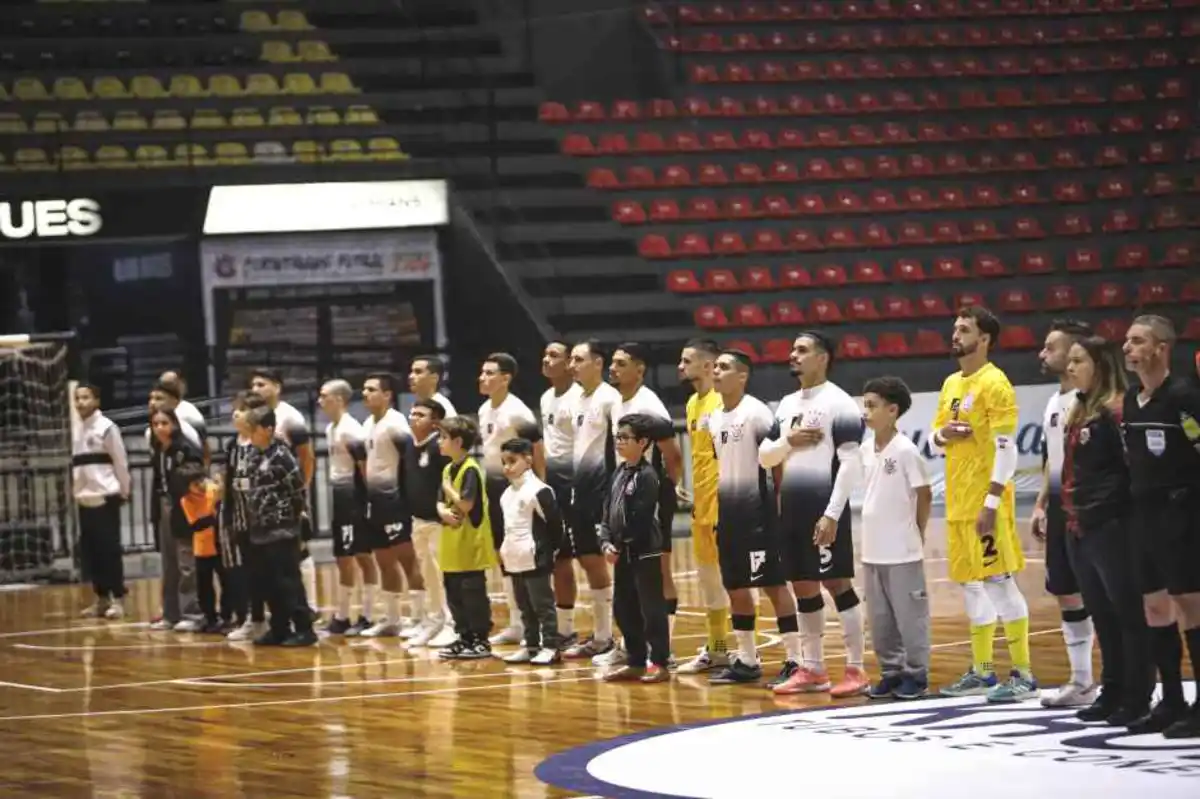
(276, 501)
(632, 540)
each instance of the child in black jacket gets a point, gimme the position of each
(632, 540)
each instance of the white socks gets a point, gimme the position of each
(343, 602)
(417, 600)
(391, 607)
(308, 573)
(566, 621)
(854, 634)
(1078, 636)
(812, 633)
(368, 600)
(746, 651)
(791, 645)
(601, 613)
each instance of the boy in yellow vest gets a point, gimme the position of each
(465, 550)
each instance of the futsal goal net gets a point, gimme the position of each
(37, 518)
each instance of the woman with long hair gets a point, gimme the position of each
(169, 450)
(1100, 547)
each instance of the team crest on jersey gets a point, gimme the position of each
(1085, 435)
(93, 441)
(1054, 419)
(968, 401)
(889, 465)
(955, 404)
(490, 428)
(797, 419)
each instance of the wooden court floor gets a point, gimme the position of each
(106, 709)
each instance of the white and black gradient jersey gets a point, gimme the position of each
(808, 473)
(745, 495)
(386, 440)
(498, 424)
(189, 413)
(290, 426)
(558, 434)
(533, 526)
(646, 402)
(347, 445)
(446, 404)
(1054, 425)
(595, 453)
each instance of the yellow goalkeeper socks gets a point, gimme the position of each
(717, 624)
(1016, 632)
(983, 637)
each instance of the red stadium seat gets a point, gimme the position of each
(1061, 298)
(1133, 256)
(654, 246)
(892, 344)
(862, 309)
(749, 315)
(1180, 255)
(628, 212)
(897, 308)
(1015, 301)
(929, 342)
(1108, 295)
(710, 317)
(825, 312)
(965, 299)
(745, 347)
(693, 244)
(1084, 260)
(988, 266)
(776, 350)
(932, 305)
(721, 280)
(868, 272)
(946, 268)
(729, 242)
(1154, 293)
(854, 347)
(830, 275)
(758, 278)
(1018, 338)
(683, 281)
(1112, 329)
(786, 312)
(1035, 263)
(698, 208)
(553, 113)
(791, 277)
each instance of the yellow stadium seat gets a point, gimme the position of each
(113, 156)
(147, 87)
(191, 154)
(345, 150)
(73, 158)
(12, 123)
(184, 85)
(32, 159)
(224, 86)
(256, 21)
(262, 84)
(314, 50)
(292, 21)
(207, 119)
(70, 88)
(337, 83)
(299, 83)
(283, 116)
(247, 118)
(109, 88)
(232, 153)
(307, 152)
(323, 115)
(361, 115)
(49, 122)
(271, 152)
(385, 149)
(129, 120)
(277, 52)
(29, 89)
(90, 121)
(166, 119)
(151, 155)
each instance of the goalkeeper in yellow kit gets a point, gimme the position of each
(696, 370)
(976, 427)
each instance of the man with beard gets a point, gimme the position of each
(976, 427)
(1049, 521)
(1162, 439)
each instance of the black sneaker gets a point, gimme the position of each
(1160, 718)
(736, 673)
(454, 651)
(886, 687)
(212, 627)
(270, 638)
(476, 651)
(568, 641)
(789, 668)
(306, 638)
(1186, 727)
(338, 627)
(357, 628)
(910, 687)
(1122, 716)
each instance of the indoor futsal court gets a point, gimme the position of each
(112, 710)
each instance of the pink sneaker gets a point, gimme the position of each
(804, 681)
(854, 683)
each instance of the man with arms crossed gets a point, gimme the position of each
(821, 430)
(696, 369)
(1162, 439)
(976, 426)
(347, 454)
(1049, 522)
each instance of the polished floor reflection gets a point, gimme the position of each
(103, 709)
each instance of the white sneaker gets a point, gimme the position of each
(425, 633)
(617, 656)
(1071, 695)
(522, 655)
(383, 629)
(248, 631)
(444, 637)
(115, 611)
(410, 631)
(187, 626)
(705, 661)
(512, 634)
(161, 625)
(546, 657)
(96, 610)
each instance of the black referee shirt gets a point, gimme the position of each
(1162, 438)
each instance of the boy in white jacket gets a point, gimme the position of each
(533, 530)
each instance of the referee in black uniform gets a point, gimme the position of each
(1162, 437)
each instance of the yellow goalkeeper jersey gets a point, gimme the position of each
(986, 401)
(704, 458)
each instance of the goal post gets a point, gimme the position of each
(37, 513)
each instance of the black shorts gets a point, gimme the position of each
(804, 560)
(749, 556)
(582, 520)
(349, 535)
(1167, 531)
(386, 523)
(1060, 577)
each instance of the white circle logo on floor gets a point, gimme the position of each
(934, 748)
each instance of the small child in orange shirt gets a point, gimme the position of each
(200, 506)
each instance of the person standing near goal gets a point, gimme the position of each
(503, 416)
(347, 447)
(100, 478)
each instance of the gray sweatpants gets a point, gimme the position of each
(178, 572)
(899, 608)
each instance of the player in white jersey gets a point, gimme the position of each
(820, 427)
(748, 546)
(292, 429)
(503, 416)
(184, 410)
(388, 520)
(592, 423)
(425, 376)
(627, 372)
(1049, 520)
(193, 428)
(346, 444)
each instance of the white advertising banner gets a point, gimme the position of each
(316, 207)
